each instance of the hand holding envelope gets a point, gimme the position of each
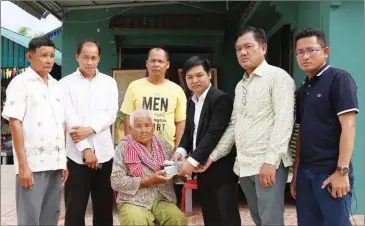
(171, 168)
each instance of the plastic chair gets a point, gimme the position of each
(190, 184)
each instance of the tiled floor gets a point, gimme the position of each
(8, 212)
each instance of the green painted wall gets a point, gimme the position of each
(58, 42)
(231, 72)
(94, 24)
(80, 25)
(347, 52)
(302, 15)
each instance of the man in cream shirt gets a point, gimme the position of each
(261, 126)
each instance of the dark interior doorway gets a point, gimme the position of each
(134, 57)
(56, 72)
(280, 46)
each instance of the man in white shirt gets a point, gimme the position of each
(35, 112)
(91, 105)
(208, 114)
(261, 127)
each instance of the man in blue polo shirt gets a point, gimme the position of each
(326, 109)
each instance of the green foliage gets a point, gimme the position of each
(24, 31)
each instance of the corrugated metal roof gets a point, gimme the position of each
(13, 54)
(24, 41)
(52, 34)
(58, 8)
(33, 8)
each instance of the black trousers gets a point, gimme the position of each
(219, 204)
(81, 181)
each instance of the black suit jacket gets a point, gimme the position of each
(214, 119)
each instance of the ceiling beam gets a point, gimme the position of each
(167, 32)
(116, 5)
(249, 14)
(55, 11)
(276, 27)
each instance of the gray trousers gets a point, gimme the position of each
(41, 204)
(266, 205)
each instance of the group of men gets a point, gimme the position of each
(219, 141)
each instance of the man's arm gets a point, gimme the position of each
(180, 116)
(127, 108)
(226, 142)
(180, 127)
(16, 129)
(221, 115)
(105, 119)
(185, 144)
(127, 124)
(283, 100)
(344, 97)
(65, 130)
(347, 139)
(71, 117)
(14, 111)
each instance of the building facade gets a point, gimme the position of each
(126, 31)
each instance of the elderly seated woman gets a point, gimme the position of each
(145, 196)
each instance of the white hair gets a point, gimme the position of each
(139, 113)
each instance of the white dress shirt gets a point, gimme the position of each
(39, 106)
(198, 109)
(91, 104)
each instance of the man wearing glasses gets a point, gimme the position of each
(261, 126)
(326, 109)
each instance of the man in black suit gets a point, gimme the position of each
(208, 114)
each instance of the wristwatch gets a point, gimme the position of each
(344, 170)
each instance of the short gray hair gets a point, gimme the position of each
(139, 113)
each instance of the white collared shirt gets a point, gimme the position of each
(198, 109)
(92, 104)
(39, 107)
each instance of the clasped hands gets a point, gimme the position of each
(187, 168)
(79, 133)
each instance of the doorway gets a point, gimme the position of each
(134, 57)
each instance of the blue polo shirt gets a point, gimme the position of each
(330, 93)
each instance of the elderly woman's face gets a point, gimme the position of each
(142, 130)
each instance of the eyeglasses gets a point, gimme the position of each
(301, 53)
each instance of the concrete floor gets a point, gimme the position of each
(8, 207)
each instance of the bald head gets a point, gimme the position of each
(159, 49)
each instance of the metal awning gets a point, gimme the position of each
(41, 9)
(32, 8)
